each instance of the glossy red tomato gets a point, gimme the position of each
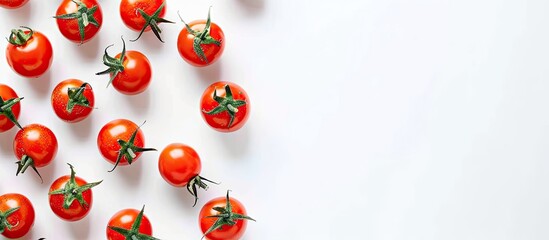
(12, 4)
(127, 223)
(71, 197)
(223, 218)
(72, 100)
(10, 107)
(201, 42)
(74, 24)
(35, 146)
(19, 213)
(225, 106)
(29, 53)
(143, 15)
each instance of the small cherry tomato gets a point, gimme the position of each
(119, 140)
(12, 4)
(16, 215)
(29, 53)
(201, 42)
(63, 193)
(10, 107)
(129, 224)
(72, 100)
(225, 106)
(130, 71)
(143, 15)
(223, 218)
(35, 146)
(79, 20)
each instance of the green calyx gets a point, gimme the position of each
(76, 97)
(115, 65)
(226, 104)
(201, 37)
(128, 150)
(153, 21)
(133, 233)
(225, 216)
(72, 191)
(83, 15)
(4, 219)
(18, 37)
(197, 181)
(25, 163)
(6, 109)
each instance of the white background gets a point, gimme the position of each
(393, 119)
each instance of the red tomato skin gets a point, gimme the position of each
(75, 211)
(36, 141)
(12, 4)
(220, 121)
(109, 135)
(69, 27)
(227, 232)
(6, 92)
(212, 51)
(60, 98)
(23, 217)
(132, 18)
(32, 59)
(136, 76)
(124, 219)
(178, 164)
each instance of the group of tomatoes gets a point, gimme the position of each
(224, 106)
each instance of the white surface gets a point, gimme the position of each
(391, 119)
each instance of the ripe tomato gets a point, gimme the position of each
(180, 166)
(143, 15)
(130, 71)
(72, 100)
(201, 42)
(225, 106)
(79, 20)
(63, 193)
(223, 218)
(29, 53)
(35, 146)
(16, 215)
(9, 108)
(12, 4)
(121, 139)
(129, 224)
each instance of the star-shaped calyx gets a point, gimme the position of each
(226, 104)
(24, 164)
(18, 37)
(115, 65)
(83, 15)
(72, 191)
(76, 97)
(128, 150)
(6, 109)
(133, 233)
(152, 21)
(201, 37)
(197, 181)
(4, 223)
(225, 216)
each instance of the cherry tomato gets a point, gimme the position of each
(79, 20)
(35, 146)
(130, 76)
(71, 197)
(201, 42)
(12, 4)
(10, 107)
(143, 15)
(72, 100)
(225, 106)
(223, 218)
(119, 140)
(16, 215)
(29, 53)
(127, 223)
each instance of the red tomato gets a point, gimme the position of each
(12, 4)
(63, 193)
(9, 108)
(29, 53)
(127, 223)
(223, 218)
(35, 146)
(225, 106)
(201, 42)
(130, 76)
(74, 24)
(18, 212)
(72, 100)
(143, 15)
(119, 140)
